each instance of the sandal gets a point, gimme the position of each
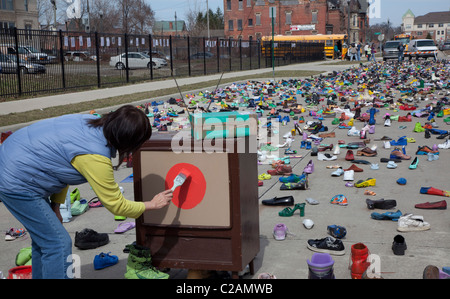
(288, 211)
(124, 226)
(368, 192)
(95, 203)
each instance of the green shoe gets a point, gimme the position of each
(440, 113)
(119, 218)
(418, 128)
(79, 207)
(23, 258)
(139, 265)
(335, 121)
(74, 195)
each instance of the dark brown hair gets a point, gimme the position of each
(125, 129)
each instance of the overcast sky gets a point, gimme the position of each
(381, 12)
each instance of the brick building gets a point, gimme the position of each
(252, 18)
(434, 24)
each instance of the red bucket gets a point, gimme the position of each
(21, 272)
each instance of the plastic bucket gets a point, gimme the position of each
(20, 272)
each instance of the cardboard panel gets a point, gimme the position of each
(204, 199)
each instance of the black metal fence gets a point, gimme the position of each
(52, 61)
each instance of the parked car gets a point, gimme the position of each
(157, 54)
(79, 56)
(445, 46)
(8, 65)
(135, 60)
(201, 55)
(27, 53)
(159, 60)
(426, 46)
(390, 50)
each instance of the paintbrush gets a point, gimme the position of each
(180, 178)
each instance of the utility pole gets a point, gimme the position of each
(88, 26)
(207, 17)
(272, 15)
(176, 29)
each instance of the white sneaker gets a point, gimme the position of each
(445, 145)
(353, 132)
(325, 157)
(410, 222)
(337, 150)
(387, 122)
(387, 144)
(287, 135)
(391, 165)
(337, 172)
(349, 175)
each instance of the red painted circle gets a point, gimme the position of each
(191, 193)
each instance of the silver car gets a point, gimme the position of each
(445, 46)
(390, 50)
(8, 65)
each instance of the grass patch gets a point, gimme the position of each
(34, 115)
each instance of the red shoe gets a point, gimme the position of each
(349, 156)
(280, 170)
(359, 254)
(437, 205)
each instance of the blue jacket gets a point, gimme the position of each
(36, 160)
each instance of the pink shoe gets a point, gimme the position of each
(309, 168)
(280, 232)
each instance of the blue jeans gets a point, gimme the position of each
(51, 243)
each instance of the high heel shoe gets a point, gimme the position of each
(288, 211)
(414, 163)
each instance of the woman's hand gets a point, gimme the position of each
(159, 201)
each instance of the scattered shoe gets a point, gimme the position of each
(14, 233)
(279, 201)
(280, 231)
(308, 223)
(79, 207)
(328, 245)
(326, 157)
(139, 264)
(410, 222)
(124, 226)
(104, 260)
(339, 199)
(90, 239)
(367, 183)
(399, 245)
(336, 231)
(311, 201)
(381, 204)
(394, 216)
(437, 205)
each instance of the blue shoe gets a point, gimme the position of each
(104, 260)
(336, 231)
(401, 141)
(293, 178)
(308, 145)
(394, 216)
(303, 144)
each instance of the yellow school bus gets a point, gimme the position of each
(404, 38)
(286, 45)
